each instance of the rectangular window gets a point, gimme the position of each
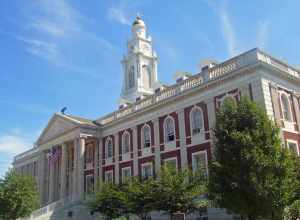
(126, 173)
(147, 170)
(293, 146)
(199, 161)
(89, 184)
(109, 176)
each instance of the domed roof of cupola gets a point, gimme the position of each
(138, 22)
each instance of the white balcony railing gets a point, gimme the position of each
(243, 60)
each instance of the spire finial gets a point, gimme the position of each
(138, 16)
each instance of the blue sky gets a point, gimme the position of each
(56, 53)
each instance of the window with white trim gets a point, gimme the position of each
(286, 107)
(293, 146)
(147, 170)
(109, 148)
(146, 136)
(89, 184)
(126, 143)
(196, 120)
(109, 176)
(126, 173)
(169, 128)
(199, 161)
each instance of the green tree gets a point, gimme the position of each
(293, 211)
(140, 196)
(251, 174)
(18, 196)
(109, 201)
(179, 191)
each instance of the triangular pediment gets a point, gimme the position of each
(57, 125)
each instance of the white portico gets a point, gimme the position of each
(62, 161)
(139, 65)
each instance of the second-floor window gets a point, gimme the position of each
(196, 120)
(109, 148)
(169, 128)
(285, 105)
(146, 136)
(126, 142)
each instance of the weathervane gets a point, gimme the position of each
(63, 110)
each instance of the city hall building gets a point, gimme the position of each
(154, 125)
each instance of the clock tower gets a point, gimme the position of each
(139, 65)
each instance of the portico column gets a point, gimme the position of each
(63, 171)
(51, 182)
(42, 175)
(157, 145)
(80, 175)
(75, 167)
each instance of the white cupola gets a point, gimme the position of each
(139, 65)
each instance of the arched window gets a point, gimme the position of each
(196, 120)
(146, 136)
(125, 142)
(131, 77)
(169, 130)
(285, 105)
(109, 148)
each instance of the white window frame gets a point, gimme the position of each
(86, 188)
(206, 161)
(106, 148)
(144, 165)
(170, 159)
(293, 142)
(196, 108)
(290, 115)
(123, 170)
(106, 175)
(166, 136)
(143, 136)
(126, 133)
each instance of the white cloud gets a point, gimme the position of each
(13, 143)
(262, 34)
(228, 33)
(119, 15)
(50, 28)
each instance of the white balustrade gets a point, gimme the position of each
(222, 69)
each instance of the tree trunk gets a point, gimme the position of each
(177, 216)
(251, 218)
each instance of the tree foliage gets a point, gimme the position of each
(292, 212)
(140, 196)
(179, 191)
(109, 200)
(251, 174)
(172, 191)
(18, 196)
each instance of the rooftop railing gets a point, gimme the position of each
(241, 61)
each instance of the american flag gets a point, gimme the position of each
(54, 155)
